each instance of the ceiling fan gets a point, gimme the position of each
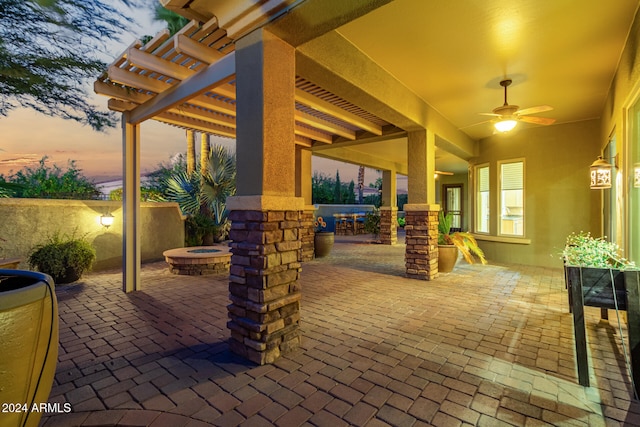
(510, 115)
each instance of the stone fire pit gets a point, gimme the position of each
(198, 260)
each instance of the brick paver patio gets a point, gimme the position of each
(484, 345)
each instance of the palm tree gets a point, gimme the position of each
(191, 152)
(203, 195)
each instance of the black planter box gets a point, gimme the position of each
(592, 287)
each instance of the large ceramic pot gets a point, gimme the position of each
(29, 343)
(447, 258)
(323, 243)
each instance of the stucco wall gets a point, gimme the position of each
(25, 223)
(558, 200)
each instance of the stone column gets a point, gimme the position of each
(263, 283)
(421, 256)
(421, 213)
(266, 249)
(389, 225)
(307, 233)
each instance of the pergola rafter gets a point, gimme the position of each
(188, 80)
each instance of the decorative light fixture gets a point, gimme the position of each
(505, 125)
(106, 220)
(600, 174)
(636, 175)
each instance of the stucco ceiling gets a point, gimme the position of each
(561, 53)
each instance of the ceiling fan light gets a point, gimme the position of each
(505, 125)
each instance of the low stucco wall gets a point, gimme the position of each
(25, 223)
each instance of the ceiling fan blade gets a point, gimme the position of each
(489, 114)
(537, 120)
(474, 124)
(443, 173)
(534, 110)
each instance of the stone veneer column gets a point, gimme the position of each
(265, 213)
(421, 227)
(389, 225)
(307, 233)
(263, 283)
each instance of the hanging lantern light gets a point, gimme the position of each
(600, 174)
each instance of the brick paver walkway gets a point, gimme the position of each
(484, 345)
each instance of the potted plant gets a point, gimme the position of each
(372, 223)
(64, 258)
(323, 240)
(450, 243)
(596, 262)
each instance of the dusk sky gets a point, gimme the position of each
(26, 136)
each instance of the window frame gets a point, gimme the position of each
(477, 205)
(500, 164)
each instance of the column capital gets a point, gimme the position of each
(265, 203)
(423, 207)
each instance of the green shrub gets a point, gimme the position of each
(64, 258)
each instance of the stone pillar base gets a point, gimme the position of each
(389, 225)
(421, 227)
(263, 284)
(307, 232)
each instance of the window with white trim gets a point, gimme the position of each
(511, 195)
(482, 199)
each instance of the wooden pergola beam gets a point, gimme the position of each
(326, 107)
(214, 75)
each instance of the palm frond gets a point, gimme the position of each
(468, 245)
(184, 189)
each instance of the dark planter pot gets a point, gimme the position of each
(70, 275)
(29, 341)
(447, 258)
(323, 242)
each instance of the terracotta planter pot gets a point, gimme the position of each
(29, 341)
(447, 258)
(323, 243)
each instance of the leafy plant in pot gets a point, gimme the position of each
(64, 258)
(450, 243)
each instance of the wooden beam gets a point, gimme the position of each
(328, 108)
(195, 124)
(207, 116)
(214, 75)
(136, 97)
(151, 62)
(186, 46)
(129, 78)
(120, 105)
(313, 134)
(303, 141)
(362, 137)
(106, 89)
(324, 125)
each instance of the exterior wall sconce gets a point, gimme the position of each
(601, 173)
(505, 125)
(636, 175)
(106, 220)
